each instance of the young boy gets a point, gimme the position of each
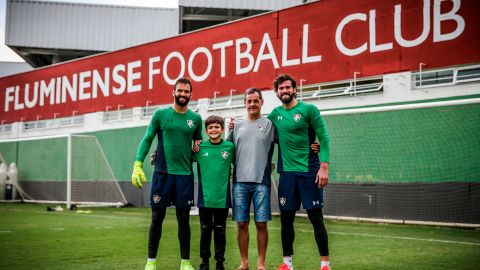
(214, 161)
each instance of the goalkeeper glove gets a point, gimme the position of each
(138, 176)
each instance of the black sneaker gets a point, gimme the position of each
(219, 266)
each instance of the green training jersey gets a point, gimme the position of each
(175, 133)
(214, 163)
(296, 129)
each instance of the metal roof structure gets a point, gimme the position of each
(49, 32)
(242, 4)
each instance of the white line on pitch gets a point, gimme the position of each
(407, 238)
(5, 231)
(391, 237)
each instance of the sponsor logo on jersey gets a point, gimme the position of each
(190, 123)
(283, 201)
(297, 117)
(156, 198)
(225, 154)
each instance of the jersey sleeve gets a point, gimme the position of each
(318, 124)
(147, 140)
(198, 130)
(229, 137)
(271, 132)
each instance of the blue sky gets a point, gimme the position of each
(8, 55)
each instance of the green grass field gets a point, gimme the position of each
(32, 238)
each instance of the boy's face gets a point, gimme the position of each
(214, 131)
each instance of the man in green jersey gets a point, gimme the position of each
(214, 160)
(175, 128)
(302, 174)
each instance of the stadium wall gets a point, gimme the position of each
(419, 164)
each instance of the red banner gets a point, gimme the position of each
(319, 42)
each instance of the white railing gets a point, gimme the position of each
(63, 122)
(348, 88)
(444, 77)
(117, 115)
(229, 102)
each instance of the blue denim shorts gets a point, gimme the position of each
(244, 194)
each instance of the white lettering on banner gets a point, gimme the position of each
(398, 26)
(206, 52)
(70, 87)
(338, 35)
(118, 79)
(171, 55)
(131, 76)
(438, 17)
(285, 61)
(8, 97)
(18, 105)
(373, 35)
(31, 103)
(58, 91)
(102, 83)
(305, 57)
(242, 55)
(83, 85)
(152, 71)
(266, 44)
(47, 91)
(125, 78)
(222, 46)
(438, 36)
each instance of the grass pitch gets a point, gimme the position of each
(111, 238)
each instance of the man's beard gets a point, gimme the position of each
(181, 103)
(286, 101)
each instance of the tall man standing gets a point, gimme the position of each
(302, 175)
(175, 128)
(253, 138)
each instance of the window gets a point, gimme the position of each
(443, 77)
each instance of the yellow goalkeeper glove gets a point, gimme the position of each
(138, 176)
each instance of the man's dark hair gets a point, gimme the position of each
(284, 77)
(214, 119)
(251, 91)
(183, 80)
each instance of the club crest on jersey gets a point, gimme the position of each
(225, 154)
(190, 123)
(262, 128)
(283, 201)
(156, 198)
(297, 117)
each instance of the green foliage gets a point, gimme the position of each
(111, 238)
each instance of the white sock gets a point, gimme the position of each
(288, 261)
(151, 260)
(324, 263)
(185, 260)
